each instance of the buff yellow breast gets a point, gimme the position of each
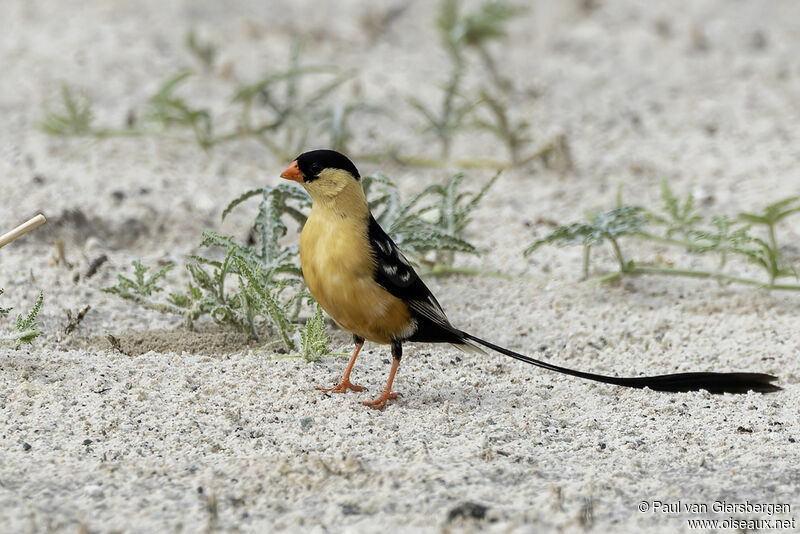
(338, 266)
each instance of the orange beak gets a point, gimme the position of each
(292, 172)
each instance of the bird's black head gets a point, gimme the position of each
(314, 162)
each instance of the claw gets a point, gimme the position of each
(380, 402)
(342, 387)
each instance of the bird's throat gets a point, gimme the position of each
(344, 200)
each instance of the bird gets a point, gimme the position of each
(359, 276)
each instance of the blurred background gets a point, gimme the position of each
(132, 125)
(597, 93)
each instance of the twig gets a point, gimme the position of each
(22, 229)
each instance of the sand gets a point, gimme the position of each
(204, 431)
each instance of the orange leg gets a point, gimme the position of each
(387, 395)
(345, 384)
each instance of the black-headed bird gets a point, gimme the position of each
(361, 279)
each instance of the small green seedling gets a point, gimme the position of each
(75, 118)
(457, 34)
(143, 285)
(772, 215)
(608, 226)
(513, 133)
(678, 218)
(205, 51)
(26, 328)
(682, 222)
(4, 311)
(142, 288)
(314, 341)
(292, 113)
(168, 109)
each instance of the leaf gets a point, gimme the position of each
(27, 327)
(773, 213)
(405, 220)
(679, 218)
(313, 339)
(169, 109)
(725, 239)
(204, 51)
(4, 311)
(75, 119)
(487, 23)
(621, 221)
(141, 286)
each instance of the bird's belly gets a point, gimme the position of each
(338, 269)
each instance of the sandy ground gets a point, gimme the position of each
(193, 431)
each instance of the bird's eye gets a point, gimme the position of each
(316, 168)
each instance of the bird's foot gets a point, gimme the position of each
(342, 387)
(380, 402)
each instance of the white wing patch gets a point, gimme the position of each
(385, 246)
(430, 309)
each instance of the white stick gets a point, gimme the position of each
(22, 229)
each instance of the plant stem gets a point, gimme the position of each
(772, 241)
(669, 271)
(491, 66)
(667, 240)
(587, 252)
(618, 253)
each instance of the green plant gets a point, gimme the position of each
(205, 51)
(207, 292)
(478, 29)
(458, 32)
(247, 287)
(291, 112)
(513, 133)
(772, 215)
(74, 119)
(275, 110)
(406, 221)
(276, 202)
(286, 110)
(475, 31)
(142, 285)
(432, 220)
(456, 206)
(168, 109)
(4, 311)
(141, 288)
(725, 238)
(313, 340)
(259, 287)
(608, 226)
(678, 218)
(26, 328)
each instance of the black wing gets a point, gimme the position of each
(394, 273)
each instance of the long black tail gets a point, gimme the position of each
(712, 382)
